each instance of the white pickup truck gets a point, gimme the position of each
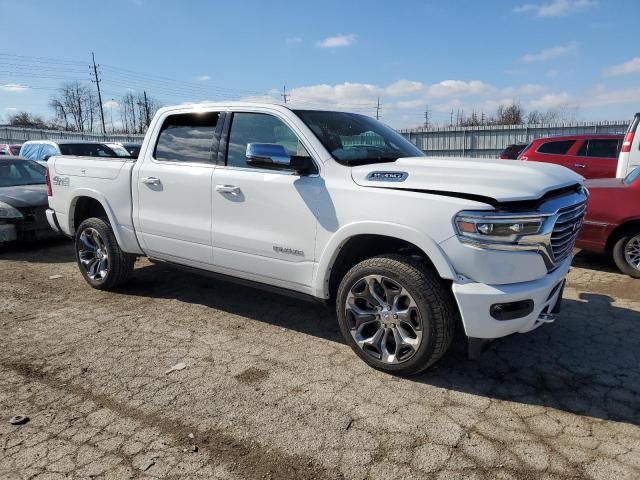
(335, 207)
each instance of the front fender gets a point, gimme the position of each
(402, 232)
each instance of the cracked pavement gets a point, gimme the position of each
(271, 391)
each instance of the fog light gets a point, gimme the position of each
(511, 310)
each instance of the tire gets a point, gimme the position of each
(422, 314)
(95, 242)
(626, 252)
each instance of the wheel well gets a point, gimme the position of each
(621, 230)
(361, 247)
(86, 207)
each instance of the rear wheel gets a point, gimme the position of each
(626, 252)
(102, 264)
(396, 314)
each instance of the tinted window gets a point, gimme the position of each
(604, 148)
(259, 128)
(558, 148)
(20, 172)
(86, 150)
(187, 137)
(15, 149)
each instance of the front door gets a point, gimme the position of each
(264, 226)
(173, 186)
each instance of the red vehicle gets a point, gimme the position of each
(592, 156)
(612, 224)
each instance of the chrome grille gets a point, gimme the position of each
(565, 231)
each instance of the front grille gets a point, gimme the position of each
(565, 231)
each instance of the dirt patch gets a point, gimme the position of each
(252, 375)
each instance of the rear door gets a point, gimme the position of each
(597, 158)
(555, 151)
(172, 185)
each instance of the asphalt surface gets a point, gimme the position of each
(269, 390)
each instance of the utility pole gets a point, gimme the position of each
(451, 118)
(97, 81)
(146, 109)
(482, 119)
(426, 117)
(378, 110)
(284, 94)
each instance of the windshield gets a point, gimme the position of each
(86, 150)
(633, 176)
(20, 172)
(354, 139)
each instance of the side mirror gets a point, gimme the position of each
(272, 156)
(46, 158)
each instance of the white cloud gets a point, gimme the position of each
(631, 66)
(293, 40)
(111, 104)
(337, 41)
(202, 78)
(550, 53)
(613, 97)
(557, 8)
(550, 101)
(13, 87)
(523, 90)
(404, 87)
(458, 88)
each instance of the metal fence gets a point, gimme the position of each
(21, 135)
(489, 141)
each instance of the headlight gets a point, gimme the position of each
(7, 211)
(496, 228)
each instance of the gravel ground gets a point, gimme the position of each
(270, 391)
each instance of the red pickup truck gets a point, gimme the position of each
(612, 224)
(592, 156)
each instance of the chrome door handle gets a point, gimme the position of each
(580, 165)
(150, 180)
(232, 189)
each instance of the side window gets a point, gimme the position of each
(259, 128)
(582, 151)
(603, 148)
(559, 147)
(187, 137)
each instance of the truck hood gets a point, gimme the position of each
(24, 195)
(500, 180)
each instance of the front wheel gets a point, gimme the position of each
(626, 252)
(102, 264)
(396, 314)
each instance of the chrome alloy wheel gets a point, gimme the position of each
(93, 254)
(383, 319)
(632, 252)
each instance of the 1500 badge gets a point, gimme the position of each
(61, 181)
(387, 176)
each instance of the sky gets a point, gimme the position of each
(581, 57)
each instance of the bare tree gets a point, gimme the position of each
(25, 119)
(136, 111)
(76, 107)
(512, 114)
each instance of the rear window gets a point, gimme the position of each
(187, 137)
(86, 150)
(20, 172)
(559, 147)
(602, 148)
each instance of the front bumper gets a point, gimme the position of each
(475, 300)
